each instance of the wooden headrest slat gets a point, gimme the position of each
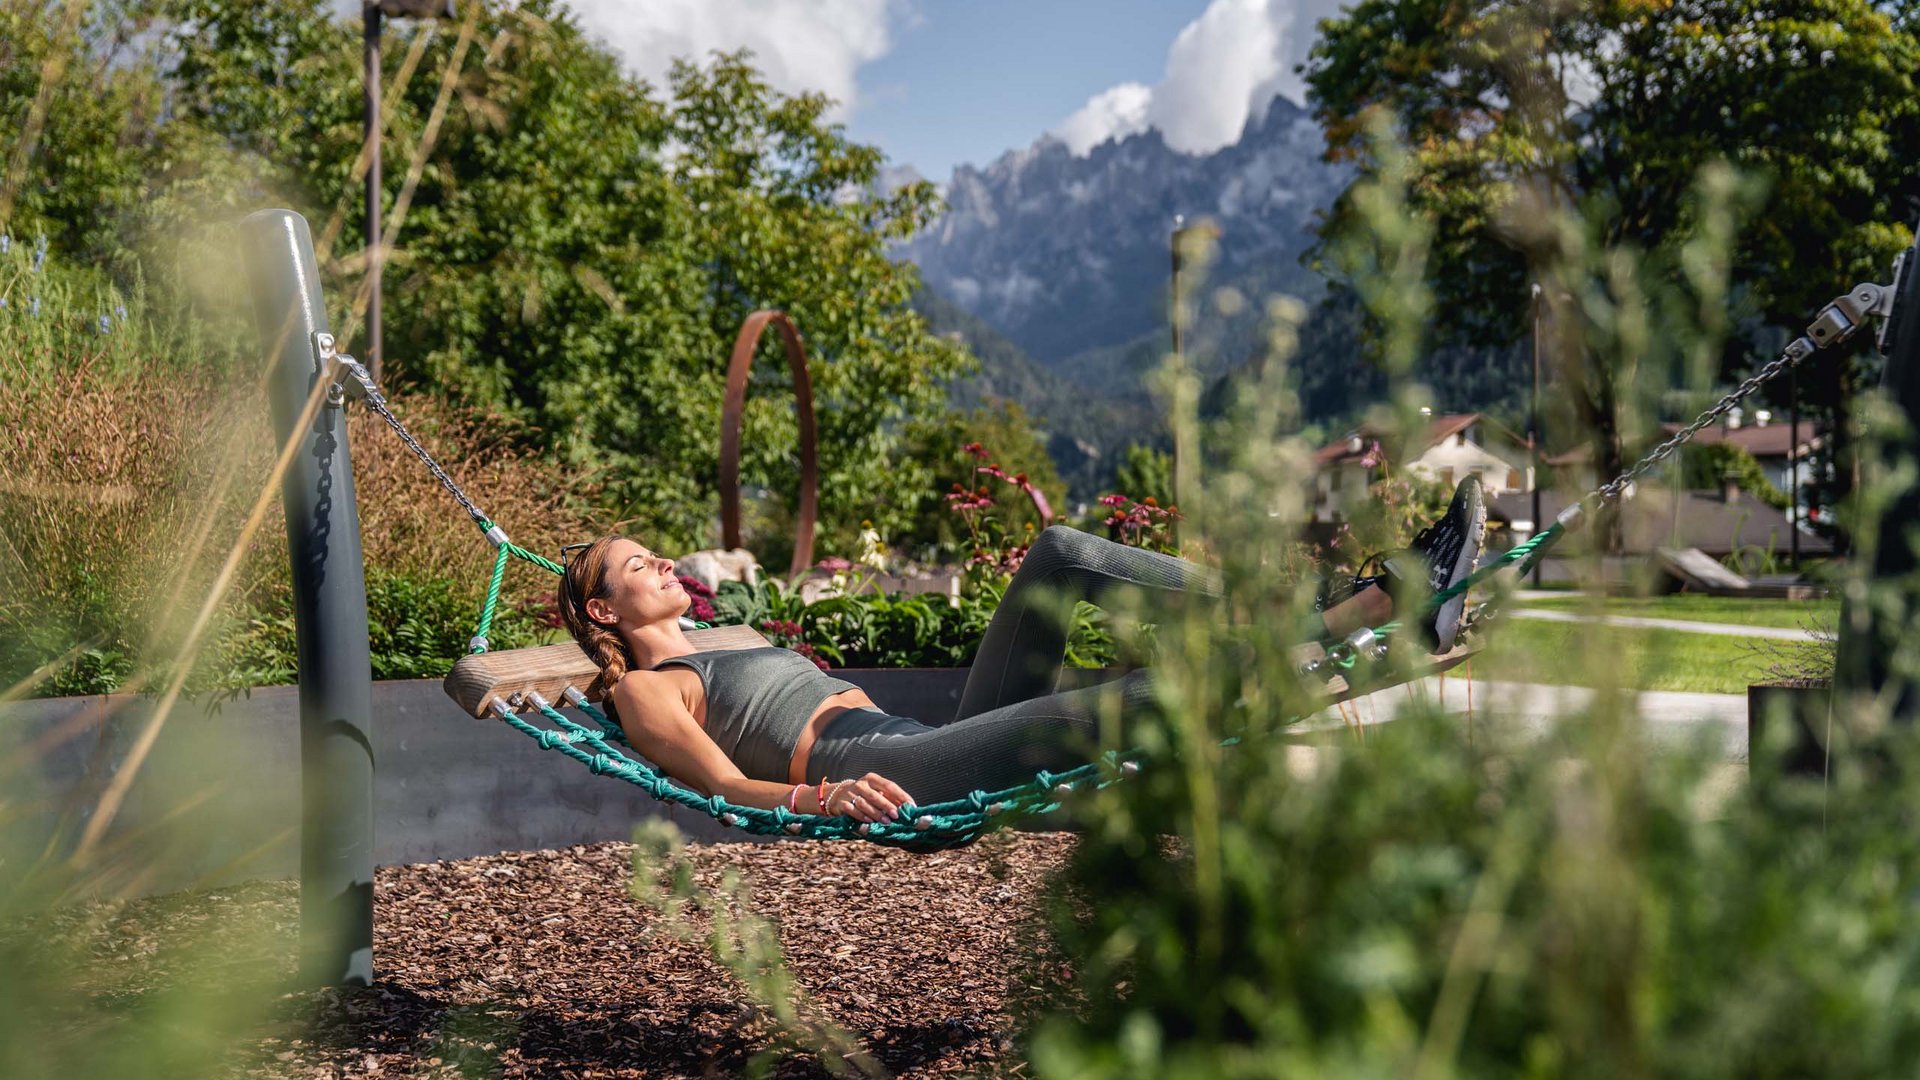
(478, 679)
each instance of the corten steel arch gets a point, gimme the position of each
(738, 367)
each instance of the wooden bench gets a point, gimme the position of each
(478, 680)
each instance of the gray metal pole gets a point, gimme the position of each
(370, 126)
(330, 614)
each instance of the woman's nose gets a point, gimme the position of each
(666, 566)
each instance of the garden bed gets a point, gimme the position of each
(542, 963)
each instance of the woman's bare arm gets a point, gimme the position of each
(657, 722)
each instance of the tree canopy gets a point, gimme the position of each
(571, 246)
(1611, 107)
(1733, 162)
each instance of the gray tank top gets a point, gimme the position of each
(758, 701)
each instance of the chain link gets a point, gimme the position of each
(378, 403)
(1796, 350)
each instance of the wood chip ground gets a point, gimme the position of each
(543, 964)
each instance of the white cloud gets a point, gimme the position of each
(798, 44)
(1114, 113)
(1222, 69)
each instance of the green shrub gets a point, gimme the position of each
(896, 630)
(1706, 467)
(416, 628)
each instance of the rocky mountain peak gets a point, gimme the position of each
(1065, 253)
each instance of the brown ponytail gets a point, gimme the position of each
(586, 579)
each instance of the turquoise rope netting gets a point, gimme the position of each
(937, 825)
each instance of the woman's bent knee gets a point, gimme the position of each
(1060, 543)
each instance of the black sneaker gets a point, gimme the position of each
(1443, 553)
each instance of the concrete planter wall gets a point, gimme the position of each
(219, 799)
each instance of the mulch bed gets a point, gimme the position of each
(543, 964)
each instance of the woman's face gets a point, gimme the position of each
(644, 589)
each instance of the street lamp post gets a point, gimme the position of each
(1533, 429)
(372, 13)
(1793, 463)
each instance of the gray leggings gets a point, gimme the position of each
(1011, 724)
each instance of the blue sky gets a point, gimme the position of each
(969, 79)
(936, 83)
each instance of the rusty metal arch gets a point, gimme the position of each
(738, 367)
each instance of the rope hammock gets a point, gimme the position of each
(1358, 661)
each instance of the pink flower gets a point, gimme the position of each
(834, 564)
(701, 609)
(1040, 504)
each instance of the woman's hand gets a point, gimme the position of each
(871, 798)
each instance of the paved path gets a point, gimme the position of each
(1691, 626)
(1672, 718)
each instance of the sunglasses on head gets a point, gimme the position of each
(568, 551)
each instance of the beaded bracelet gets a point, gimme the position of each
(837, 789)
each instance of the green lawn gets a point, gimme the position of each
(1570, 654)
(1789, 614)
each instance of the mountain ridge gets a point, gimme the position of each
(1065, 253)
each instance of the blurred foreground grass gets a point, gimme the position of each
(175, 985)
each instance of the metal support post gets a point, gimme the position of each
(1872, 619)
(330, 612)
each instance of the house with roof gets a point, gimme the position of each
(1452, 446)
(1721, 523)
(1787, 456)
(1784, 454)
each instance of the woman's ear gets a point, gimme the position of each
(600, 612)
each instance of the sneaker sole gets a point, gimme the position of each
(1446, 622)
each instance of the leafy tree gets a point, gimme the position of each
(1147, 471)
(786, 212)
(1614, 106)
(577, 250)
(78, 112)
(1604, 112)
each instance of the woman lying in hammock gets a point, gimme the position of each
(766, 728)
